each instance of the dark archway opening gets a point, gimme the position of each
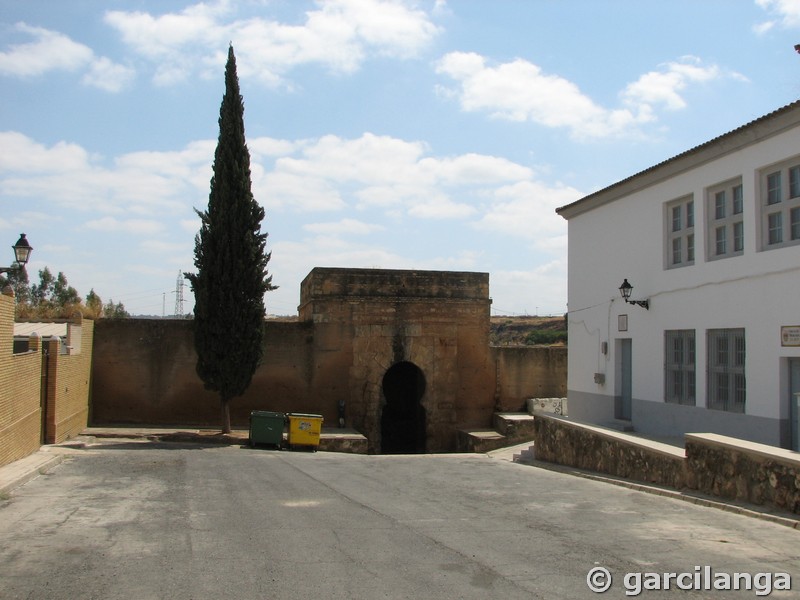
(403, 417)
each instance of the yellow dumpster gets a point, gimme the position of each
(304, 430)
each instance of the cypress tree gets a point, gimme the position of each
(231, 262)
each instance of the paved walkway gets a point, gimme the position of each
(47, 457)
(128, 518)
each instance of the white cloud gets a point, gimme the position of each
(50, 51)
(785, 13)
(664, 87)
(474, 169)
(343, 227)
(441, 208)
(522, 91)
(339, 34)
(292, 191)
(384, 172)
(108, 76)
(134, 226)
(527, 210)
(139, 183)
(20, 154)
(53, 51)
(149, 196)
(534, 291)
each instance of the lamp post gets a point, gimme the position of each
(625, 291)
(22, 254)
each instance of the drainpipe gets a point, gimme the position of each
(43, 391)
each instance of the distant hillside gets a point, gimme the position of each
(528, 331)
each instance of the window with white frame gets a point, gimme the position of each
(727, 389)
(725, 220)
(780, 205)
(679, 366)
(679, 225)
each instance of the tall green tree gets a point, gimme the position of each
(231, 261)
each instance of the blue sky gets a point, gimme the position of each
(390, 134)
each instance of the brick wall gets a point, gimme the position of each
(44, 377)
(20, 392)
(68, 380)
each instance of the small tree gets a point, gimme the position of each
(94, 305)
(18, 280)
(231, 262)
(115, 311)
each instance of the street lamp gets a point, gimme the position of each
(22, 254)
(625, 291)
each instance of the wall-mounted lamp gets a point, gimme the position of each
(625, 291)
(22, 254)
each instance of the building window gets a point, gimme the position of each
(720, 242)
(679, 367)
(738, 237)
(727, 388)
(780, 205)
(794, 215)
(680, 233)
(725, 208)
(775, 228)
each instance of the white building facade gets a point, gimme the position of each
(711, 240)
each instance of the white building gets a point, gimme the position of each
(711, 240)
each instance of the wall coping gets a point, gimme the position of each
(763, 450)
(617, 436)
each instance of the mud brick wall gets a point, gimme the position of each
(144, 373)
(529, 372)
(354, 326)
(738, 470)
(20, 398)
(595, 449)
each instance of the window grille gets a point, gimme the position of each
(727, 389)
(679, 367)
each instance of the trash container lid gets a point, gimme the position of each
(304, 415)
(267, 413)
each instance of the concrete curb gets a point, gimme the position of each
(23, 470)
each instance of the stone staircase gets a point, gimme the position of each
(510, 429)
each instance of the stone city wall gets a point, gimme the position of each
(144, 373)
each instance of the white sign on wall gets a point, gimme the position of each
(790, 335)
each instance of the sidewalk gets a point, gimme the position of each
(23, 470)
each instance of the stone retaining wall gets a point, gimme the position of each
(615, 453)
(713, 464)
(735, 469)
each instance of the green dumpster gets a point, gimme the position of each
(267, 427)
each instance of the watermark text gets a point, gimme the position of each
(600, 580)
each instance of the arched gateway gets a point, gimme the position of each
(403, 415)
(403, 356)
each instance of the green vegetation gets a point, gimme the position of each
(231, 261)
(527, 331)
(54, 298)
(546, 337)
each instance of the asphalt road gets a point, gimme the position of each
(143, 520)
